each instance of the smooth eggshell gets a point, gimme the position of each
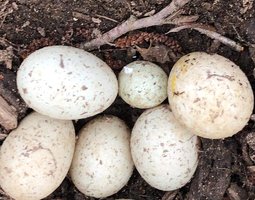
(164, 152)
(35, 157)
(66, 83)
(102, 162)
(142, 84)
(210, 95)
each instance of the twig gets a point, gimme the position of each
(210, 33)
(132, 23)
(108, 18)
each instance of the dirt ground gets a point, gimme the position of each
(226, 168)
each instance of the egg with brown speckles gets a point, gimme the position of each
(164, 152)
(66, 83)
(102, 162)
(142, 84)
(35, 157)
(210, 95)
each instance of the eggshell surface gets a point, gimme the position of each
(164, 152)
(102, 162)
(66, 83)
(210, 95)
(35, 157)
(142, 84)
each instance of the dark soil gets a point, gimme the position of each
(227, 167)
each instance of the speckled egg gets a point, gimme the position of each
(102, 162)
(35, 157)
(142, 84)
(210, 95)
(164, 152)
(66, 83)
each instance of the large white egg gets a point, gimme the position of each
(66, 83)
(210, 95)
(164, 152)
(142, 84)
(102, 162)
(35, 157)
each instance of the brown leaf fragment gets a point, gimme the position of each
(170, 195)
(2, 136)
(247, 5)
(6, 56)
(250, 138)
(158, 53)
(235, 192)
(8, 115)
(251, 174)
(9, 91)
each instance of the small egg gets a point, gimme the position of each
(102, 162)
(210, 95)
(164, 152)
(66, 83)
(142, 84)
(35, 157)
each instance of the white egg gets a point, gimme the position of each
(66, 83)
(102, 162)
(35, 157)
(143, 84)
(164, 152)
(210, 95)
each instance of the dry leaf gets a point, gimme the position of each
(158, 53)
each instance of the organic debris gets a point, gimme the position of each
(212, 177)
(34, 45)
(158, 53)
(8, 115)
(6, 56)
(5, 9)
(162, 47)
(153, 38)
(210, 33)
(165, 16)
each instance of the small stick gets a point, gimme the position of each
(210, 33)
(133, 24)
(108, 18)
(8, 115)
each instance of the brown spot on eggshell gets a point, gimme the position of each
(84, 87)
(8, 170)
(30, 73)
(24, 90)
(196, 100)
(177, 93)
(61, 64)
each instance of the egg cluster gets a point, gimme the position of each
(209, 96)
